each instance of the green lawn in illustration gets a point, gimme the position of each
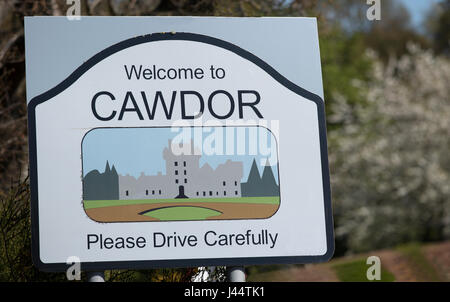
(182, 213)
(92, 204)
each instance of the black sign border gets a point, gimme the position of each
(145, 264)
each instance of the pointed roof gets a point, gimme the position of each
(107, 168)
(113, 170)
(254, 173)
(267, 174)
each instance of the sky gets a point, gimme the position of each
(418, 10)
(136, 150)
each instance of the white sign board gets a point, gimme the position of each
(178, 149)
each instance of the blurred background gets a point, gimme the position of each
(387, 87)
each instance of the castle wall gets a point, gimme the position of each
(183, 170)
(145, 187)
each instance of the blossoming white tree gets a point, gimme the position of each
(390, 160)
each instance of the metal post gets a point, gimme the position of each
(96, 276)
(235, 274)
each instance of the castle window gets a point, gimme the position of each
(146, 192)
(176, 172)
(176, 164)
(224, 183)
(126, 192)
(176, 181)
(235, 192)
(235, 183)
(217, 193)
(184, 164)
(153, 192)
(204, 193)
(210, 193)
(185, 181)
(159, 192)
(184, 172)
(224, 193)
(197, 193)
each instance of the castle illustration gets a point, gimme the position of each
(184, 178)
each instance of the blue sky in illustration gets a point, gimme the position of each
(136, 150)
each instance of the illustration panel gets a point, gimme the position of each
(180, 173)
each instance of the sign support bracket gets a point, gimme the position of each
(96, 276)
(235, 274)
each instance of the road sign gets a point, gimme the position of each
(178, 149)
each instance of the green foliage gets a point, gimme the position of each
(15, 241)
(345, 69)
(355, 271)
